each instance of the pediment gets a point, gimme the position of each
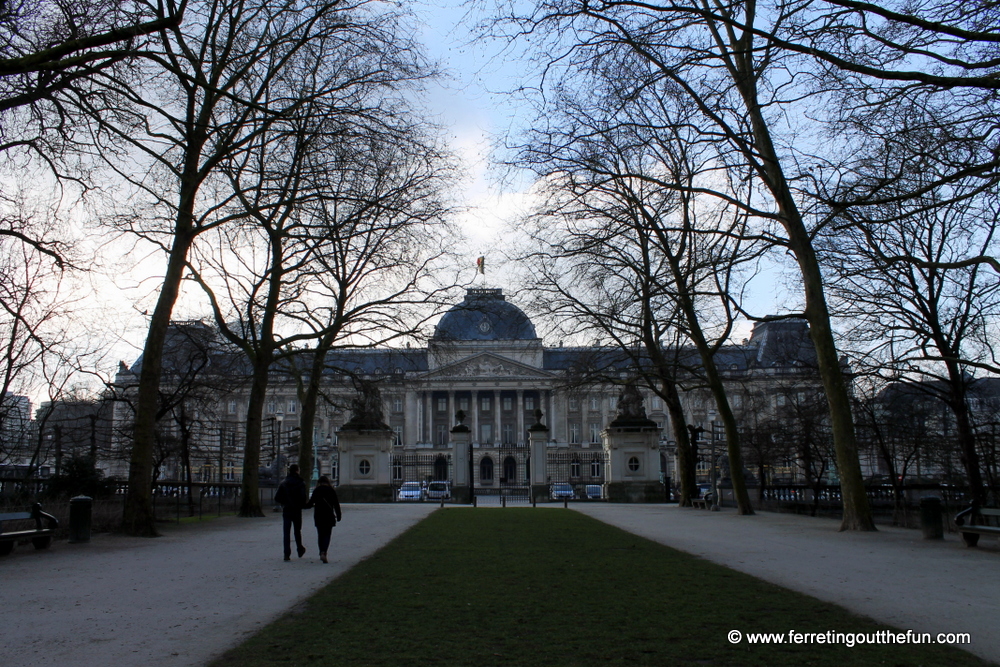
(487, 367)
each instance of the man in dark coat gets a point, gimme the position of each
(326, 514)
(292, 497)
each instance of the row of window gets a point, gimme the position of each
(485, 403)
(507, 403)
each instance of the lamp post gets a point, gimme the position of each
(279, 416)
(715, 476)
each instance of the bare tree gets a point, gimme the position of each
(341, 203)
(381, 229)
(920, 307)
(622, 210)
(725, 61)
(206, 91)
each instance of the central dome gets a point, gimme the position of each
(484, 314)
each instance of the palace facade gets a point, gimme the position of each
(485, 361)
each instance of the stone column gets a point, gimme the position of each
(418, 399)
(519, 422)
(497, 437)
(475, 415)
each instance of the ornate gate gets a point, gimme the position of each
(421, 468)
(504, 472)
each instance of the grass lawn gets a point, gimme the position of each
(551, 587)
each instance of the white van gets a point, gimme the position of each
(438, 490)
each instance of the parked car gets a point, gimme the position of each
(561, 491)
(438, 490)
(593, 492)
(411, 491)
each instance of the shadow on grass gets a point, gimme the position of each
(552, 588)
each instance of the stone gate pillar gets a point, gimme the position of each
(631, 447)
(461, 446)
(538, 436)
(366, 451)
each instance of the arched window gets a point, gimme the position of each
(486, 469)
(440, 468)
(509, 470)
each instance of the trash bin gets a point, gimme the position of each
(80, 510)
(930, 518)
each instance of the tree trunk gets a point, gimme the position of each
(857, 511)
(250, 500)
(718, 390)
(686, 459)
(137, 518)
(959, 404)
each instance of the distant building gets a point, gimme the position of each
(915, 426)
(486, 361)
(15, 430)
(75, 428)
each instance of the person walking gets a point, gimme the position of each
(326, 515)
(291, 495)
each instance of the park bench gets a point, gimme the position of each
(975, 521)
(705, 502)
(40, 536)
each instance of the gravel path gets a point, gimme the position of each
(186, 597)
(176, 600)
(893, 576)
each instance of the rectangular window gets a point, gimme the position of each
(508, 434)
(508, 403)
(656, 403)
(595, 432)
(442, 405)
(232, 407)
(529, 402)
(463, 404)
(574, 433)
(736, 400)
(613, 402)
(780, 400)
(595, 467)
(595, 403)
(397, 404)
(442, 434)
(485, 403)
(399, 434)
(270, 407)
(292, 406)
(486, 434)
(230, 471)
(573, 403)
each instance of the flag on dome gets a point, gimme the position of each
(481, 265)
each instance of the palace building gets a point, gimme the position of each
(486, 365)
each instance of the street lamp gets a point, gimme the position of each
(280, 417)
(715, 475)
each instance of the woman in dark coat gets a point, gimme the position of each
(326, 514)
